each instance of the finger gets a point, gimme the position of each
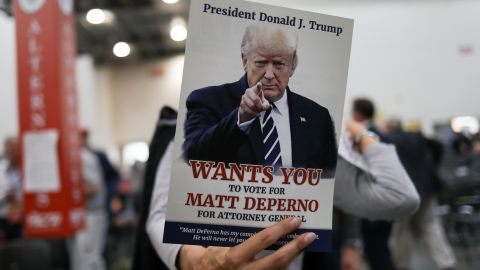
(256, 100)
(247, 102)
(281, 258)
(260, 104)
(265, 103)
(265, 238)
(259, 88)
(249, 111)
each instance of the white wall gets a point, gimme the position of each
(8, 79)
(405, 55)
(103, 129)
(140, 91)
(95, 104)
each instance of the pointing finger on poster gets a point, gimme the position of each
(252, 103)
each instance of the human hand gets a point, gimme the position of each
(242, 256)
(351, 259)
(355, 128)
(253, 103)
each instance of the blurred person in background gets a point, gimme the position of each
(382, 190)
(375, 233)
(420, 156)
(363, 111)
(88, 244)
(476, 144)
(110, 174)
(11, 207)
(456, 169)
(145, 256)
(110, 178)
(122, 227)
(476, 157)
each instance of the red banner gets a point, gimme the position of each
(48, 121)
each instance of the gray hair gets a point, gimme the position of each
(270, 37)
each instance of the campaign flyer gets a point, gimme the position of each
(259, 120)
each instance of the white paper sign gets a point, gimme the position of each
(41, 161)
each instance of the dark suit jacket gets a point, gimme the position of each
(418, 156)
(211, 131)
(145, 257)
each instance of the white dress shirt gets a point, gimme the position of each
(281, 117)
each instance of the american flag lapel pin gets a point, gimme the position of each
(302, 119)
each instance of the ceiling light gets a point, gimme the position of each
(178, 33)
(121, 49)
(170, 1)
(96, 16)
(178, 29)
(467, 124)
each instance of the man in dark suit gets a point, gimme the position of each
(258, 119)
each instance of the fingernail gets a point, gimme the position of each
(295, 222)
(310, 237)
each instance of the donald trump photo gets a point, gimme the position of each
(260, 119)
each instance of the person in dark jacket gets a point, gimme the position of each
(420, 157)
(145, 256)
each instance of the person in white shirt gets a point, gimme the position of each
(11, 200)
(86, 247)
(382, 190)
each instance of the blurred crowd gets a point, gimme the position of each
(446, 174)
(107, 240)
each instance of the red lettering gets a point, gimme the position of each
(239, 174)
(268, 173)
(220, 171)
(194, 201)
(286, 172)
(209, 200)
(202, 169)
(291, 205)
(249, 203)
(303, 173)
(273, 204)
(314, 176)
(255, 169)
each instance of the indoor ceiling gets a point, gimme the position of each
(144, 24)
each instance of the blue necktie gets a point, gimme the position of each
(270, 140)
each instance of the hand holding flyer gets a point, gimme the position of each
(261, 149)
(243, 256)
